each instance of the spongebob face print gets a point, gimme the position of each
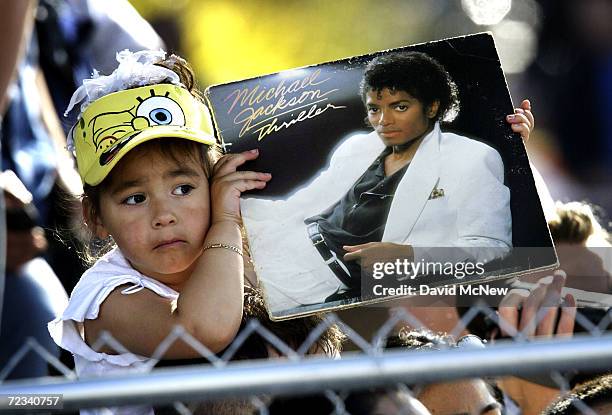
(150, 111)
(116, 123)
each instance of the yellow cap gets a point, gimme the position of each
(113, 125)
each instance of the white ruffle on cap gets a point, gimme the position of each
(135, 69)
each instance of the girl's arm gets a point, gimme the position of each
(209, 306)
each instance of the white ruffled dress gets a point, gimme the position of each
(109, 272)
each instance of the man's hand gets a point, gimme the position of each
(520, 310)
(367, 254)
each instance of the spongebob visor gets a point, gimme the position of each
(113, 125)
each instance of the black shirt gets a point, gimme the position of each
(360, 216)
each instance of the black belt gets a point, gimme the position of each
(329, 256)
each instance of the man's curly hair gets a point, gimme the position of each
(416, 73)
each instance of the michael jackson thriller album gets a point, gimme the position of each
(393, 174)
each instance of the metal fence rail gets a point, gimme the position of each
(289, 377)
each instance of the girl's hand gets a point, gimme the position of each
(522, 121)
(227, 185)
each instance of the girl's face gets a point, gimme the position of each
(397, 116)
(158, 213)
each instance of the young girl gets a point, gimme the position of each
(145, 151)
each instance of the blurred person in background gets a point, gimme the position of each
(583, 247)
(517, 312)
(29, 289)
(32, 293)
(390, 400)
(476, 396)
(383, 401)
(583, 278)
(543, 311)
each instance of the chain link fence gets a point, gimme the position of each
(371, 366)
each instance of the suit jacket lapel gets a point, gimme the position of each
(414, 189)
(348, 163)
(359, 158)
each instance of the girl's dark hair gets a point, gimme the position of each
(293, 332)
(417, 74)
(186, 75)
(176, 149)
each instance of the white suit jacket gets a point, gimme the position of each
(470, 213)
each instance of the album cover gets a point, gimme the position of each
(393, 174)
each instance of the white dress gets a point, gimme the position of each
(109, 272)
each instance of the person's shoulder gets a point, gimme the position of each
(457, 149)
(108, 272)
(456, 145)
(113, 270)
(111, 263)
(461, 142)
